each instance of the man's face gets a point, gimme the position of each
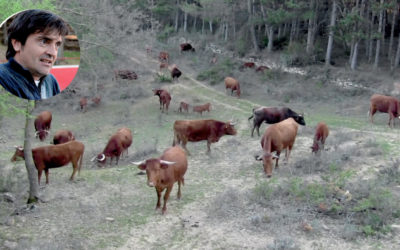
(39, 52)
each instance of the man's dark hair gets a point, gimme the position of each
(30, 22)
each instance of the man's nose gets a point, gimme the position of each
(52, 50)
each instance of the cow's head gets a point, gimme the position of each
(267, 158)
(100, 158)
(316, 146)
(42, 134)
(153, 169)
(19, 153)
(230, 129)
(300, 119)
(157, 91)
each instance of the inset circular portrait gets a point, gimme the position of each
(39, 54)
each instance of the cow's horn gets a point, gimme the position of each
(258, 158)
(36, 133)
(93, 158)
(47, 132)
(102, 158)
(275, 156)
(167, 162)
(137, 162)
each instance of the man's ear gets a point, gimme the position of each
(16, 45)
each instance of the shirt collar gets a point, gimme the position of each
(22, 70)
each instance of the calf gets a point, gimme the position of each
(184, 106)
(54, 156)
(164, 171)
(276, 138)
(321, 133)
(384, 104)
(43, 124)
(233, 84)
(83, 104)
(165, 98)
(202, 108)
(63, 136)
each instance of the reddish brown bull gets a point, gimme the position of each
(273, 115)
(83, 103)
(384, 104)
(164, 171)
(202, 108)
(199, 130)
(163, 56)
(233, 84)
(63, 136)
(118, 143)
(54, 156)
(43, 124)
(321, 133)
(184, 106)
(165, 98)
(276, 138)
(187, 47)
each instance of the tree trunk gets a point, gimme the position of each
(177, 16)
(354, 57)
(270, 38)
(185, 22)
(397, 58)
(211, 26)
(194, 24)
(378, 41)
(390, 56)
(330, 40)
(280, 31)
(29, 164)
(292, 32)
(226, 32)
(353, 62)
(309, 33)
(251, 26)
(202, 26)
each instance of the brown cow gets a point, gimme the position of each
(163, 56)
(183, 106)
(321, 133)
(273, 115)
(384, 104)
(164, 171)
(54, 156)
(96, 100)
(247, 65)
(199, 130)
(165, 98)
(43, 124)
(202, 108)
(83, 103)
(276, 138)
(63, 136)
(187, 47)
(127, 142)
(118, 143)
(233, 84)
(175, 73)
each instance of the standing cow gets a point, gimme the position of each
(63, 136)
(276, 138)
(233, 84)
(384, 104)
(199, 130)
(54, 156)
(165, 98)
(43, 124)
(321, 133)
(164, 171)
(83, 104)
(183, 106)
(273, 115)
(202, 108)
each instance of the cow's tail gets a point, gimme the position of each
(251, 117)
(175, 139)
(80, 162)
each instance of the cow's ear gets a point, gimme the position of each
(142, 166)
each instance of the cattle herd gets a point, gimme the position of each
(172, 165)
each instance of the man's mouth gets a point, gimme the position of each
(47, 61)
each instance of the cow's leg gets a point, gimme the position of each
(179, 190)
(46, 172)
(372, 111)
(74, 169)
(208, 146)
(278, 153)
(39, 175)
(166, 197)
(158, 190)
(184, 141)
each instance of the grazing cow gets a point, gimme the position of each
(184, 106)
(187, 47)
(163, 56)
(261, 68)
(384, 104)
(117, 144)
(175, 73)
(165, 98)
(233, 84)
(321, 133)
(43, 124)
(54, 156)
(63, 136)
(125, 74)
(83, 103)
(247, 65)
(199, 130)
(96, 100)
(127, 139)
(164, 171)
(202, 108)
(273, 115)
(276, 138)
